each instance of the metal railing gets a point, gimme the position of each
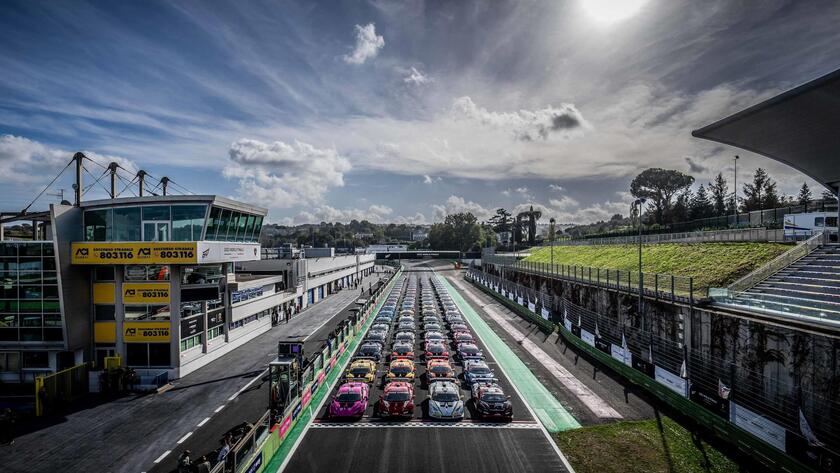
(57, 391)
(660, 286)
(780, 262)
(733, 235)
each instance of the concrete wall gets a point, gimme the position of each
(74, 281)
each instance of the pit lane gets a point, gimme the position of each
(421, 443)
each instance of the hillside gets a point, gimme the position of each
(711, 264)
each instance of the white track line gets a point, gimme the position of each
(203, 422)
(219, 408)
(162, 456)
(592, 401)
(185, 437)
(547, 435)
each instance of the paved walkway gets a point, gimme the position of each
(128, 433)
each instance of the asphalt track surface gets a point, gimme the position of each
(252, 402)
(421, 443)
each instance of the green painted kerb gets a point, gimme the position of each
(549, 411)
(324, 389)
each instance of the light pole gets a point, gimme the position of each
(735, 194)
(638, 203)
(551, 240)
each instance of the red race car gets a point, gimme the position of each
(436, 349)
(398, 400)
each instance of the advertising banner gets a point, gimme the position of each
(673, 382)
(255, 465)
(643, 366)
(284, 426)
(165, 252)
(710, 400)
(760, 426)
(603, 345)
(545, 313)
(103, 293)
(587, 337)
(226, 252)
(145, 293)
(532, 307)
(105, 332)
(214, 319)
(621, 355)
(568, 324)
(519, 301)
(146, 332)
(192, 326)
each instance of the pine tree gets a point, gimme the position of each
(805, 194)
(719, 191)
(700, 205)
(826, 195)
(761, 193)
(680, 210)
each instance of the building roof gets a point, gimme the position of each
(800, 127)
(178, 199)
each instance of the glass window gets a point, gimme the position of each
(135, 273)
(158, 272)
(30, 320)
(233, 224)
(156, 212)
(104, 273)
(31, 335)
(98, 225)
(30, 265)
(50, 292)
(31, 292)
(53, 334)
(35, 359)
(30, 249)
(137, 354)
(187, 222)
(147, 312)
(8, 320)
(159, 354)
(103, 312)
(127, 224)
(29, 277)
(206, 274)
(52, 320)
(240, 232)
(30, 306)
(213, 223)
(224, 222)
(249, 228)
(10, 361)
(257, 228)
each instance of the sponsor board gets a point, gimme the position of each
(284, 427)
(604, 346)
(568, 324)
(145, 293)
(307, 396)
(576, 330)
(105, 332)
(532, 307)
(545, 313)
(760, 426)
(710, 400)
(296, 411)
(167, 252)
(192, 326)
(619, 354)
(226, 252)
(104, 293)
(671, 381)
(255, 465)
(519, 301)
(587, 337)
(643, 366)
(146, 332)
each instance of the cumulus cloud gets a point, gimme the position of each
(281, 175)
(416, 77)
(457, 204)
(427, 179)
(368, 44)
(555, 187)
(325, 213)
(524, 125)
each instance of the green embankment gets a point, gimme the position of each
(647, 446)
(711, 264)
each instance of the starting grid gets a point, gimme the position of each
(415, 424)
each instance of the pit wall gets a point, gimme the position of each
(744, 380)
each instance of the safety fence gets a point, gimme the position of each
(57, 391)
(258, 443)
(710, 236)
(658, 286)
(783, 426)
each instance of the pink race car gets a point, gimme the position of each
(351, 400)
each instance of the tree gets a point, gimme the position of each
(804, 194)
(501, 222)
(459, 232)
(720, 191)
(827, 195)
(701, 206)
(681, 208)
(761, 193)
(660, 186)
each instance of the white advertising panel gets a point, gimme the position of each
(619, 354)
(545, 313)
(568, 324)
(587, 337)
(532, 307)
(761, 427)
(226, 252)
(671, 381)
(519, 301)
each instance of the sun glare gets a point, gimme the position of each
(611, 11)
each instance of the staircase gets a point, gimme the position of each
(811, 283)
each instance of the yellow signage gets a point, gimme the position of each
(103, 293)
(164, 252)
(105, 332)
(146, 332)
(145, 293)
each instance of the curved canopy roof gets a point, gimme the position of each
(800, 127)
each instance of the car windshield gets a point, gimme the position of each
(493, 397)
(360, 370)
(480, 370)
(396, 396)
(435, 348)
(440, 369)
(445, 397)
(400, 369)
(368, 350)
(348, 397)
(469, 349)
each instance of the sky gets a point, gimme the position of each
(395, 111)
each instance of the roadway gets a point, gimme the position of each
(421, 444)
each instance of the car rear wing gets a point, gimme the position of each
(434, 380)
(397, 378)
(371, 358)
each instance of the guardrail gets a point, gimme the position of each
(729, 399)
(659, 286)
(710, 236)
(780, 262)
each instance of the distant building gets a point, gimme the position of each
(385, 248)
(419, 235)
(361, 236)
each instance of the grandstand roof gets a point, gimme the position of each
(800, 127)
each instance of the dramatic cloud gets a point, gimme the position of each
(326, 213)
(525, 125)
(427, 179)
(555, 187)
(416, 77)
(456, 204)
(368, 44)
(281, 175)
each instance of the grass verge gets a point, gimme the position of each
(710, 264)
(653, 445)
